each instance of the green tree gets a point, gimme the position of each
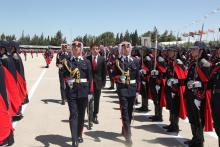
(2, 36)
(121, 38)
(117, 40)
(127, 36)
(106, 38)
(135, 38)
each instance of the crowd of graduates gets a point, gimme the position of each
(13, 90)
(186, 81)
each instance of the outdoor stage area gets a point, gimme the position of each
(45, 122)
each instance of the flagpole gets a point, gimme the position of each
(201, 32)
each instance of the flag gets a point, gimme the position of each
(211, 31)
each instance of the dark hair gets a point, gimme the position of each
(93, 44)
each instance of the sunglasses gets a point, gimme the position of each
(125, 45)
(76, 44)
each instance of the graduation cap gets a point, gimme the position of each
(15, 45)
(4, 44)
(199, 45)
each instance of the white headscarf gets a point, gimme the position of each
(120, 51)
(81, 47)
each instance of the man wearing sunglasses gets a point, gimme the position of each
(78, 78)
(126, 76)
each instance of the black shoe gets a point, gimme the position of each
(80, 139)
(90, 126)
(188, 142)
(157, 119)
(63, 102)
(143, 109)
(167, 127)
(95, 120)
(75, 144)
(26, 101)
(9, 141)
(173, 129)
(17, 117)
(152, 117)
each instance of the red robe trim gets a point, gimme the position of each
(12, 92)
(161, 68)
(207, 110)
(48, 60)
(22, 86)
(6, 122)
(163, 101)
(214, 70)
(181, 74)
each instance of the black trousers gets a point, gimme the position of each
(144, 93)
(156, 99)
(195, 116)
(126, 106)
(62, 85)
(77, 107)
(215, 104)
(97, 93)
(174, 111)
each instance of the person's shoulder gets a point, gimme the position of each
(205, 63)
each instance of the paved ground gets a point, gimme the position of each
(45, 122)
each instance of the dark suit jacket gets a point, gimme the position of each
(99, 74)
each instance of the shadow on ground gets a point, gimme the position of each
(46, 101)
(99, 135)
(153, 128)
(166, 141)
(51, 140)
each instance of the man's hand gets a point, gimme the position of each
(197, 103)
(90, 97)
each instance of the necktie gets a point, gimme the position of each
(126, 62)
(126, 59)
(94, 63)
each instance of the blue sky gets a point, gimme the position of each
(75, 18)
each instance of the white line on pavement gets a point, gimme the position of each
(31, 93)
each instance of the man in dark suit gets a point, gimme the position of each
(62, 54)
(99, 77)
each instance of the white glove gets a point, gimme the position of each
(143, 71)
(137, 94)
(197, 103)
(154, 72)
(194, 84)
(173, 94)
(171, 82)
(90, 96)
(157, 88)
(190, 84)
